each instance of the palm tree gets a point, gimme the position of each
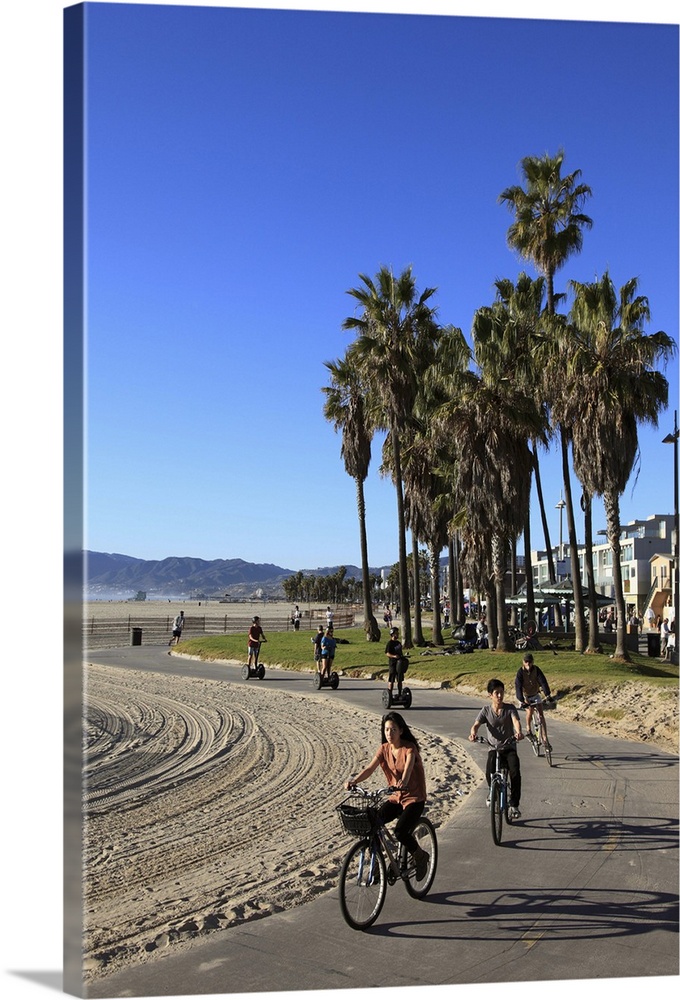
(491, 476)
(509, 345)
(610, 386)
(344, 407)
(475, 558)
(396, 335)
(547, 230)
(549, 223)
(428, 513)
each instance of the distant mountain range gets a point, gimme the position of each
(114, 576)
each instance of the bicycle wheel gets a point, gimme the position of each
(427, 840)
(496, 811)
(534, 734)
(548, 755)
(507, 795)
(363, 884)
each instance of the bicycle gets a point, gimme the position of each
(377, 859)
(499, 795)
(534, 734)
(528, 640)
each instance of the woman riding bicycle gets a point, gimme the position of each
(399, 758)
(529, 682)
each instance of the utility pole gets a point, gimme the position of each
(673, 439)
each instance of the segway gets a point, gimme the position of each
(403, 700)
(256, 671)
(322, 682)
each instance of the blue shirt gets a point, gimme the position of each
(328, 645)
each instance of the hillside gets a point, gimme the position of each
(112, 575)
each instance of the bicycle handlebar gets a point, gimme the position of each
(543, 703)
(482, 739)
(375, 793)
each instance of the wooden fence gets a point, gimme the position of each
(107, 633)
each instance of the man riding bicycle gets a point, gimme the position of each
(529, 682)
(503, 731)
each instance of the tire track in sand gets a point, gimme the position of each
(209, 803)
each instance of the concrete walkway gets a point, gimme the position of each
(584, 886)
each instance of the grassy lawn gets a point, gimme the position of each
(567, 672)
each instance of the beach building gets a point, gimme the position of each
(646, 565)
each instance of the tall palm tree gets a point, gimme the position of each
(509, 343)
(396, 334)
(547, 230)
(549, 223)
(344, 407)
(445, 377)
(610, 386)
(491, 477)
(428, 513)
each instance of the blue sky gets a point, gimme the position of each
(245, 165)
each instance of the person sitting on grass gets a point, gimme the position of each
(503, 728)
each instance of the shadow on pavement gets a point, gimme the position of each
(510, 914)
(593, 834)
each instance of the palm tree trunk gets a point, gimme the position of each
(513, 580)
(457, 598)
(452, 588)
(593, 631)
(437, 637)
(552, 576)
(579, 620)
(418, 637)
(404, 603)
(528, 570)
(611, 507)
(370, 624)
(491, 613)
(499, 552)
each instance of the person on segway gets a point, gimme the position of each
(256, 637)
(398, 663)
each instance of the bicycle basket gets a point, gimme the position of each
(357, 815)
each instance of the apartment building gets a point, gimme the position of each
(646, 564)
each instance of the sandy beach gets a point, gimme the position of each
(212, 803)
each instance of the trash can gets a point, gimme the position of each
(653, 644)
(136, 637)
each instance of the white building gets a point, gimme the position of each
(646, 565)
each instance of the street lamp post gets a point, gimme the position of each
(560, 506)
(673, 439)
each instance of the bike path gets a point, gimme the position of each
(584, 885)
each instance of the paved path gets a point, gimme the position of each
(584, 886)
